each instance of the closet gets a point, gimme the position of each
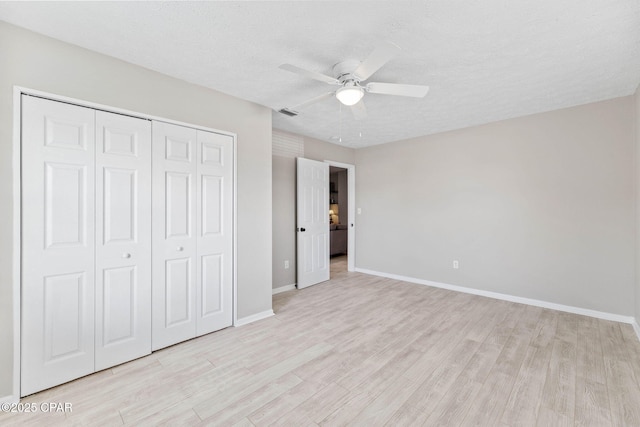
(127, 238)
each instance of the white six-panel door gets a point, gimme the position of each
(58, 271)
(312, 218)
(123, 239)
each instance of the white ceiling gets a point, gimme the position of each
(483, 60)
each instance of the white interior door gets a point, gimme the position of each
(58, 172)
(214, 295)
(174, 234)
(312, 213)
(123, 239)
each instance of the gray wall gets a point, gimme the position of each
(37, 62)
(538, 207)
(315, 149)
(284, 207)
(284, 220)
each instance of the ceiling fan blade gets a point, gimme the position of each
(359, 110)
(415, 91)
(311, 74)
(313, 101)
(380, 56)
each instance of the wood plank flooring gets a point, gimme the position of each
(363, 350)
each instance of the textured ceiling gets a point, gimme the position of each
(483, 60)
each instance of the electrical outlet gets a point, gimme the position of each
(286, 264)
(359, 211)
(456, 264)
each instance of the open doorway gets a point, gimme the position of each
(341, 217)
(338, 219)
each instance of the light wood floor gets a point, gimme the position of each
(362, 350)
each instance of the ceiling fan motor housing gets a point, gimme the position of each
(344, 70)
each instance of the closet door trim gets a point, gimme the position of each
(16, 275)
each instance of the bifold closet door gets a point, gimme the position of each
(192, 233)
(58, 287)
(86, 241)
(123, 239)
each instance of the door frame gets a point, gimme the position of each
(16, 270)
(351, 212)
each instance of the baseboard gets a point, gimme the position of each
(254, 318)
(9, 399)
(284, 288)
(511, 298)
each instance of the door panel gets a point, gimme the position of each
(178, 208)
(212, 274)
(212, 191)
(179, 147)
(65, 131)
(123, 234)
(63, 320)
(65, 204)
(121, 142)
(215, 232)
(178, 292)
(120, 210)
(57, 243)
(312, 213)
(174, 242)
(120, 286)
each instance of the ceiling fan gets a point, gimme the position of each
(350, 76)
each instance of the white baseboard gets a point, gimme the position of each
(9, 399)
(284, 288)
(511, 298)
(254, 318)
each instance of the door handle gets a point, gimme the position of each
(302, 230)
(179, 249)
(126, 255)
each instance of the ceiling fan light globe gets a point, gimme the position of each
(349, 95)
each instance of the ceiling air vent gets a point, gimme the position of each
(288, 112)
